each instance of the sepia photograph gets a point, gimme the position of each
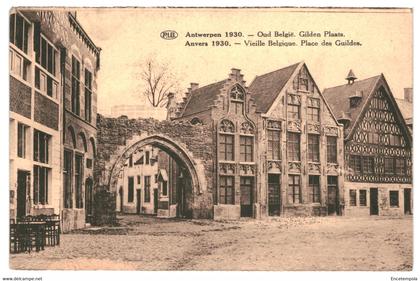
(210, 139)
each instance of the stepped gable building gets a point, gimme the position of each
(377, 147)
(53, 70)
(278, 145)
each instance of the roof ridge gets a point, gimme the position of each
(271, 72)
(355, 82)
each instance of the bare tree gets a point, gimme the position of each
(159, 82)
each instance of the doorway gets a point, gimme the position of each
(333, 205)
(155, 200)
(138, 198)
(407, 201)
(89, 200)
(274, 198)
(246, 196)
(374, 210)
(22, 190)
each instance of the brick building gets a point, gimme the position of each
(377, 147)
(53, 70)
(278, 148)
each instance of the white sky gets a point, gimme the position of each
(128, 36)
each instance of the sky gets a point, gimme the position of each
(129, 36)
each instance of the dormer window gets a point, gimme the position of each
(356, 98)
(237, 98)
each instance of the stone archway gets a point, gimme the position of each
(191, 146)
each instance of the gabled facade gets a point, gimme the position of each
(300, 145)
(377, 147)
(279, 148)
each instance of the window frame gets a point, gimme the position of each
(22, 140)
(75, 85)
(314, 188)
(293, 146)
(224, 145)
(41, 198)
(224, 187)
(362, 198)
(314, 105)
(313, 148)
(88, 95)
(394, 202)
(352, 197)
(147, 186)
(294, 191)
(246, 148)
(332, 156)
(273, 144)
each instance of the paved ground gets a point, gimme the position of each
(147, 243)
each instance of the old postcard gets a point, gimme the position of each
(262, 139)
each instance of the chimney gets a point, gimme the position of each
(408, 94)
(350, 77)
(171, 107)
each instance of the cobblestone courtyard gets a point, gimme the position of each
(316, 243)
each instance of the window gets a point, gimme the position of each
(89, 163)
(373, 137)
(67, 177)
(226, 190)
(41, 147)
(130, 161)
(303, 84)
(237, 97)
(355, 163)
(314, 189)
(165, 188)
(138, 179)
(146, 188)
(368, 165)
(88, 95)
(246, 149)
(130, 189)
(313, 109)
(21, 143)
(45, 54)
(75, 86)
(147, 157)
(313, 148)
(400, 166)
(352, 197)
(362, 197)
(395, 140)
(78, 179)
(294, 189)
(40, 189)
(19, 66)
(331, 149)
(156, 178)
(19, 32)
(293, 146)
(293, 111)
(389, 165)
(273, 144)
(394, 198)
(226, 147)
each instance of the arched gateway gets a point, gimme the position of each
(190, 146)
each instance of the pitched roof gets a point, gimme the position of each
(202, 98)
(265, 88)
(338, 98)
(406, 109)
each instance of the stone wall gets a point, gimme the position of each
(46, 111)
(118, 137)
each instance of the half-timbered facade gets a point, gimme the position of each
(377, 147)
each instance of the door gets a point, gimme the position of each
(246, 196)
(407, 201)
(374, 201)
(274, 198)
(89, 200)
(155, 200)
(22, 189)
(333, 206)
(138, 200)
